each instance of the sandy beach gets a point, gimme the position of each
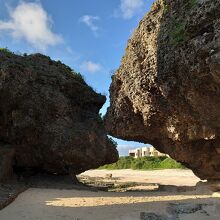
(176, 177)
(59, 204)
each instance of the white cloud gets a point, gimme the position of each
(91, 67)
(30, 21)
(90, 22)
(123, 149)
(129, 8)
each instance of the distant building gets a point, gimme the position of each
(146, 152)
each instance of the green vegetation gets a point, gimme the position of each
(169, 163)
(5, 51)
(178, 34)
(190, 3)
(178, 31)
(187, 4)
(144, 163)
(79, 77)
(112, 140)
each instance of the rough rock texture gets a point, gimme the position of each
(177, 211)
(50, 117)
(9, 192)
(167, 89)
(6, 162)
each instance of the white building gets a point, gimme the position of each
(146, 152)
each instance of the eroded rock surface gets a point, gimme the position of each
(167, 89)
(50, 117)
(177, 211)
(6, 162)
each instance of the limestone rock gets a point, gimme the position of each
(6, 162)
(167, 89)
(208, 187)
(50, 117)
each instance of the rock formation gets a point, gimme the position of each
(49, 118)
(167, 89)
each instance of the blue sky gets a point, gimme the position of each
(89, 36)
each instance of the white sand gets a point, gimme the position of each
(165, 177)
(51, 204)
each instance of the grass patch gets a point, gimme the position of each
(5, 51)
(144, 163)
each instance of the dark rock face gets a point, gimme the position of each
(50, 117)
(167, 89)
(6, 162)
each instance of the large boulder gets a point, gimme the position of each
(167, 89)
(50, 117)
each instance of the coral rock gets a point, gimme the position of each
(50, 117)
(167, 89)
